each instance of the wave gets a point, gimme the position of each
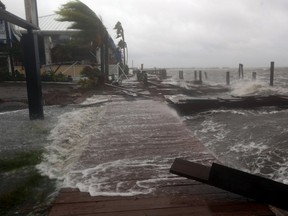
(67, 141)
(254, 141)
(256, 88)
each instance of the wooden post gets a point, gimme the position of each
(200, 76)
(31, 11)
(142, 67)
(32, 63)
(195, 75)
(227, 78)
(254, 74)
(205, 74)
(163, 74)
(240, 71)
(272, 73)
(33, 77)
(181, 76)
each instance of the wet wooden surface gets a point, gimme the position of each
(147, 129)
(203, 200)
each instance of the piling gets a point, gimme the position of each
(206, 76)
(163, 74)
(200, 76)
(227, 78)
(241, 71)
(195, 75)
(181, 76)
(272, 73)
(254, 74)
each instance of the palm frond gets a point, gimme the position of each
(84, 19)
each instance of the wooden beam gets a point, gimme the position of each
(236, 181)
(33, 77)
(11, 18)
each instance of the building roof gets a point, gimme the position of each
(50, 23)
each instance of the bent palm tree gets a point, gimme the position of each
(92, 31)
(121, 44)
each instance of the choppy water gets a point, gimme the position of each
(252, 140)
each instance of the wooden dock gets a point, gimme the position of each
(141, 130)
(202, 200)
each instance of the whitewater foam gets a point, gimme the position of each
(120, 177)
(256, 88)
(66, 142)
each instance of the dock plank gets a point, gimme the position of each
(148, 130)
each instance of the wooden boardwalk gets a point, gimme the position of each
(144, 130)
(202, 200)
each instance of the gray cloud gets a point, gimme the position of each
(187, 33)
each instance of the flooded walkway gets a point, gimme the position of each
(124, 168)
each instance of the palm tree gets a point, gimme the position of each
(121, 44)
(92, 31)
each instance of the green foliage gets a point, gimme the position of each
(119, 30)
(90, 72)
(20, 160)
(52, 76)
(91, 77)
(5, 76)
(88, 83)
(30, 197)
(122, 44)
(83, 19)
(71, 51)
(28, 192)
(20, 194)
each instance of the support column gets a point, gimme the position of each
(47, 48)
(33, 78)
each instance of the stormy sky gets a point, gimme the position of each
(192, 33)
